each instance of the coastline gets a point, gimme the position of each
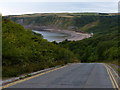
(72, 35)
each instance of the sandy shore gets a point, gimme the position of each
(72, 35)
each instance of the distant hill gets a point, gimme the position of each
(68, 21)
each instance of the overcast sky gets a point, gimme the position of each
(59, 0)
(16, 7)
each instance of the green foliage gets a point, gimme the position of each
(102, 47)
(83, 20)
(107, 24)
(25, 51)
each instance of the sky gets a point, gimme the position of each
(17, 7)
(59, 0)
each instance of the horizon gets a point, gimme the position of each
(56, 13)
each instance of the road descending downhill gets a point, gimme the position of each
(77, 75)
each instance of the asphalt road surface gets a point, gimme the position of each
(80, 75)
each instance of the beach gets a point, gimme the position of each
(72, 35)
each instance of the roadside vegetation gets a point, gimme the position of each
(24, 51)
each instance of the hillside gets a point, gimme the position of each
(69, 21)
(104, 26)
(102, 47)
(83, 22)
(24, 51)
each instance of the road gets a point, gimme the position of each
(80, 75)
